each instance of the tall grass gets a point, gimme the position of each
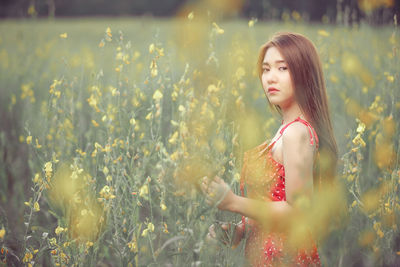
(108, 125)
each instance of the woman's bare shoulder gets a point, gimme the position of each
(296, 135)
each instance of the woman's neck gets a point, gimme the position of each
(291, 113)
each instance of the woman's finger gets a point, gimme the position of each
(211, 231)
(210, 201)
(225, 226)
(218, 180)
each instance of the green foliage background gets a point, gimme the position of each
(142, 176)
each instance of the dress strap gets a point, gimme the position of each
(310, 130)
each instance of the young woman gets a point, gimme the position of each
(300, 158)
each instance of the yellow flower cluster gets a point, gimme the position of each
(106, 193)
(150, 228)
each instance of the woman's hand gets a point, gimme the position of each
(222, 236)
(222, 231)
(218, 193)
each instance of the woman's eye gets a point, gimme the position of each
(265, 69)
(283, 68)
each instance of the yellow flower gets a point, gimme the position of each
(108, 32)
(166, 228)
(151, 48)
(106, 192)
(150, 226)
(136, 55)
(144, 190)
(160, 52)
(364, 89)
(333, 78)
(296, 15)
(377, 227)
(358, 141)
(218, 29)
(48, 168)
(181, 108)
(175, 156)
(2, 233)
(133, 245)
(36, 178)
(162, 206)
(360, 128)
(29, 139)
(390, 78)
(59, 230)
(36, 207)
(37, 144)
(252, 22)
(144, 233)
(98, 146)
(32, 10)
(27, 92)
(28, 257)
(173, 138)
(149, 116)
(80, 152)
(153, 68)
(157, 95)
(323, 33)
(190, 15)
(53, 241)
(114, 91)
(64, 35)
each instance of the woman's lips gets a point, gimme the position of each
(272, 90)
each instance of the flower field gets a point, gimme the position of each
(108, 125)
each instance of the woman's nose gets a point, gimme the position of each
(271, 77)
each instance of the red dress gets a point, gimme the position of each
(265, 180)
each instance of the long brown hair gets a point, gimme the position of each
(305, 70)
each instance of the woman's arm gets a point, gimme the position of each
(298, 157)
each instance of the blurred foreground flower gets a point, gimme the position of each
(29, 140)
(71, 199)
(2, 233)
(218, 30)
(323, 33)
(252, 22)
(370, 5)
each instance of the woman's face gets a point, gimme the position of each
(276, 79)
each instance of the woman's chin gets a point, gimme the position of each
(274, 101)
